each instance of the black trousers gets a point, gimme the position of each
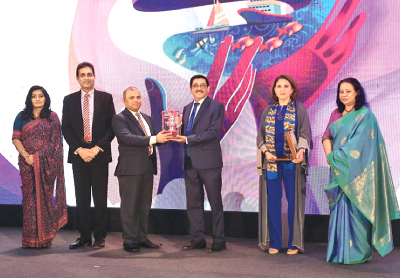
(136, 196)
(211, 179)
(91, 178)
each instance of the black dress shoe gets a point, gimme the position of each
(80, 241)
(99, 243)
(195, 244)
(131, 247)
(216, 246)
(149, 244)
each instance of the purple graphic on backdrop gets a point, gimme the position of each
(157, 45)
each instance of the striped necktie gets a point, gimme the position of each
(143, 128)
(86, 119)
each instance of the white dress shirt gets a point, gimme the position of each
(153, 139)
(200, 102)
(91, 107)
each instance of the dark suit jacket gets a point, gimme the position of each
(102, 133)
(204, 138)
(133, 145)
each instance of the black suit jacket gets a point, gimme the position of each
(102, 133)
(133, 145)
(204, 138)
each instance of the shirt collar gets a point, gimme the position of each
(134, 113)
(91, 92)
(200, 101)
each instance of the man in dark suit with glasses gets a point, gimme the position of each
(201, 125)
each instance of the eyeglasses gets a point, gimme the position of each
(196, 86)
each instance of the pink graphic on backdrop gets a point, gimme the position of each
(313, 66)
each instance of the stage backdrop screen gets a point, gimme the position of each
(157, 45)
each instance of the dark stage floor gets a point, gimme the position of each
(241, 259)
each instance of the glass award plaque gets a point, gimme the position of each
(172, 121)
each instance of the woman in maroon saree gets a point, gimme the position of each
(37, 137)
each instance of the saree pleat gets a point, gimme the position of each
(43, 186)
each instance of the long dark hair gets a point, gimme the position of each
(27, 113)
(360, 97)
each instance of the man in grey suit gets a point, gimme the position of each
(137, 163)
(201, 125)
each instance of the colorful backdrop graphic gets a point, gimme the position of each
(158, 45)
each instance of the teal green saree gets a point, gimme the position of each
(361, 194)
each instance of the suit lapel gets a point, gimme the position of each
(128, 115)
(78, 112)
(203, 108)
(148, 121)
(186, 116)
(96, 106)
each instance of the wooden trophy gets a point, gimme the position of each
(292, 142)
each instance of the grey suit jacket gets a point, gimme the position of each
(133, 145)
(204, 138)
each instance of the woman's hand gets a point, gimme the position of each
(29, 159)
(270, 157)
(299, 156)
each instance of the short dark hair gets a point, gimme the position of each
(198, 76)
(129, 88)
(360, 97)
(84, 65)
(27, 113)
(292, 82)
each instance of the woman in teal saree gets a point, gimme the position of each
(362, 199)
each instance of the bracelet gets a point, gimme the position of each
(22, 152)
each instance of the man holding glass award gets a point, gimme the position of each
(137, 163)
(201, 125)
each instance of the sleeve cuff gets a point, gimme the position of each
(326, 137)
(76, 151)
(302, 144)
(153, 140)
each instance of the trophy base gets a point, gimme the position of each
(174, 133)
(284, 159)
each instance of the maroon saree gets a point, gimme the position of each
(43, 186)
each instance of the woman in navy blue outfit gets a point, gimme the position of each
(284, 115)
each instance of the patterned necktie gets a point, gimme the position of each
(143, 128)
(86, 119)
(190, 124)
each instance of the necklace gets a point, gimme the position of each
(349, 110)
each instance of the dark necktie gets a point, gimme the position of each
(143, 127)
(190, 124)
